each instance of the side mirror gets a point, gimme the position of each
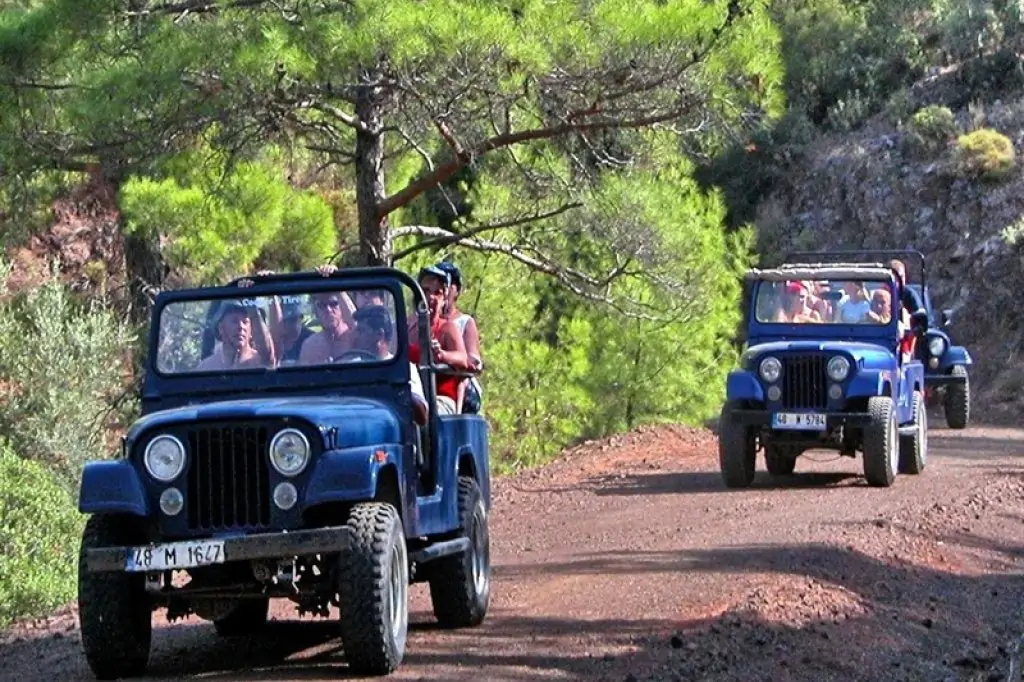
(919, 321)
(946, 317)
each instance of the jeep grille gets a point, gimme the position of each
(804, 382)
(229, 477)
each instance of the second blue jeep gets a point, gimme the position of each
(946, 364)
(826, 366)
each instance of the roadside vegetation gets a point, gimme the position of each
(591, 167)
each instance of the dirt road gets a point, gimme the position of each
(628, 560)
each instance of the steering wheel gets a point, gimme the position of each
(361, 354)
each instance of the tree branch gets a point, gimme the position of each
(455, 237)
(196, 7)
(450, 168)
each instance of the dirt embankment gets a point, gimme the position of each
(628, 560)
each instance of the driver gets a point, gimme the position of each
(233, 326)
(333, 339)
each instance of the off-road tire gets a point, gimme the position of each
(460, 584)
(736, 452)
(114, 611)
(248, 616)
(958, 400)
(881, 443)
(914, 448)
(372, 636)
(777, 462)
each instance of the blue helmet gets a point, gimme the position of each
(454, 274)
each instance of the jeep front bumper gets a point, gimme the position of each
(931, 380)
(212, 551)
(832, 419)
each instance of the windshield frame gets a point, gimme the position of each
(860, 272)
(290, 377)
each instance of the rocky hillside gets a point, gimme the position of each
(917, 181)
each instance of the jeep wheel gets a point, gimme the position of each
(460, 585)
(778, 462)
(881, 443)
(114, 611)
(914, 449)
(373, 587)
(248, 616)
(958, 400)
(736, 452)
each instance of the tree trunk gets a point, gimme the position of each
(374, 231)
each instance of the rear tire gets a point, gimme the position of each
(958, 400)
(914, 449)
(373, 587)
(460, 584)
(881, 443)
(248, 616)
(778, 462)
(736, 453)
(114, 611)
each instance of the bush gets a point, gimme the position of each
(986, 154)
(931, 129)
(39, 539)
(63, 366)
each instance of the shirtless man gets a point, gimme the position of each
(234, 325)
(334, 339)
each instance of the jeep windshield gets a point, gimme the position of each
(824, 301)
(297, 329)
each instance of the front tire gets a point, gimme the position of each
(914, 449)
(958, 400)
(114, 611)
(460, 585)
(736, 452)
(881, 443)
(373, 587)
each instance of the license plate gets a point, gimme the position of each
(799, 421)
(188, 554)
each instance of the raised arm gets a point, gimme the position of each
(453, 349)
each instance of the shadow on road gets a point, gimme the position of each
(711, 482)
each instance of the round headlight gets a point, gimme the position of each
(838, 368)
(164, 458)
(770, 370)
(936, 346)
(289, 452)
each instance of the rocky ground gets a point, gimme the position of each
(627, 560)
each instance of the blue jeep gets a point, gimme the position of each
(834, 380)
(946, 373)
(256, 473)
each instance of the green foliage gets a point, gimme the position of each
(63, 365)
(38, 538)
(931, 129)
(986, 154)
(217, 221)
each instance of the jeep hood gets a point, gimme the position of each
(868, 355)
(356, 421)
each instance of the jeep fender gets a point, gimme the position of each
(955, 355)
(870, 382)
(743, 385)
(349, 474)
(112, 488)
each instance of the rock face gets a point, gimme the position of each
(872, 190)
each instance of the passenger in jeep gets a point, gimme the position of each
(234, 325)
(796, 305)
(881, 306)
(375, 333)
(447, 344)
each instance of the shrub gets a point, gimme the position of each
(38, 539)
(63, 366)
(931, 129)
(986, 154)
